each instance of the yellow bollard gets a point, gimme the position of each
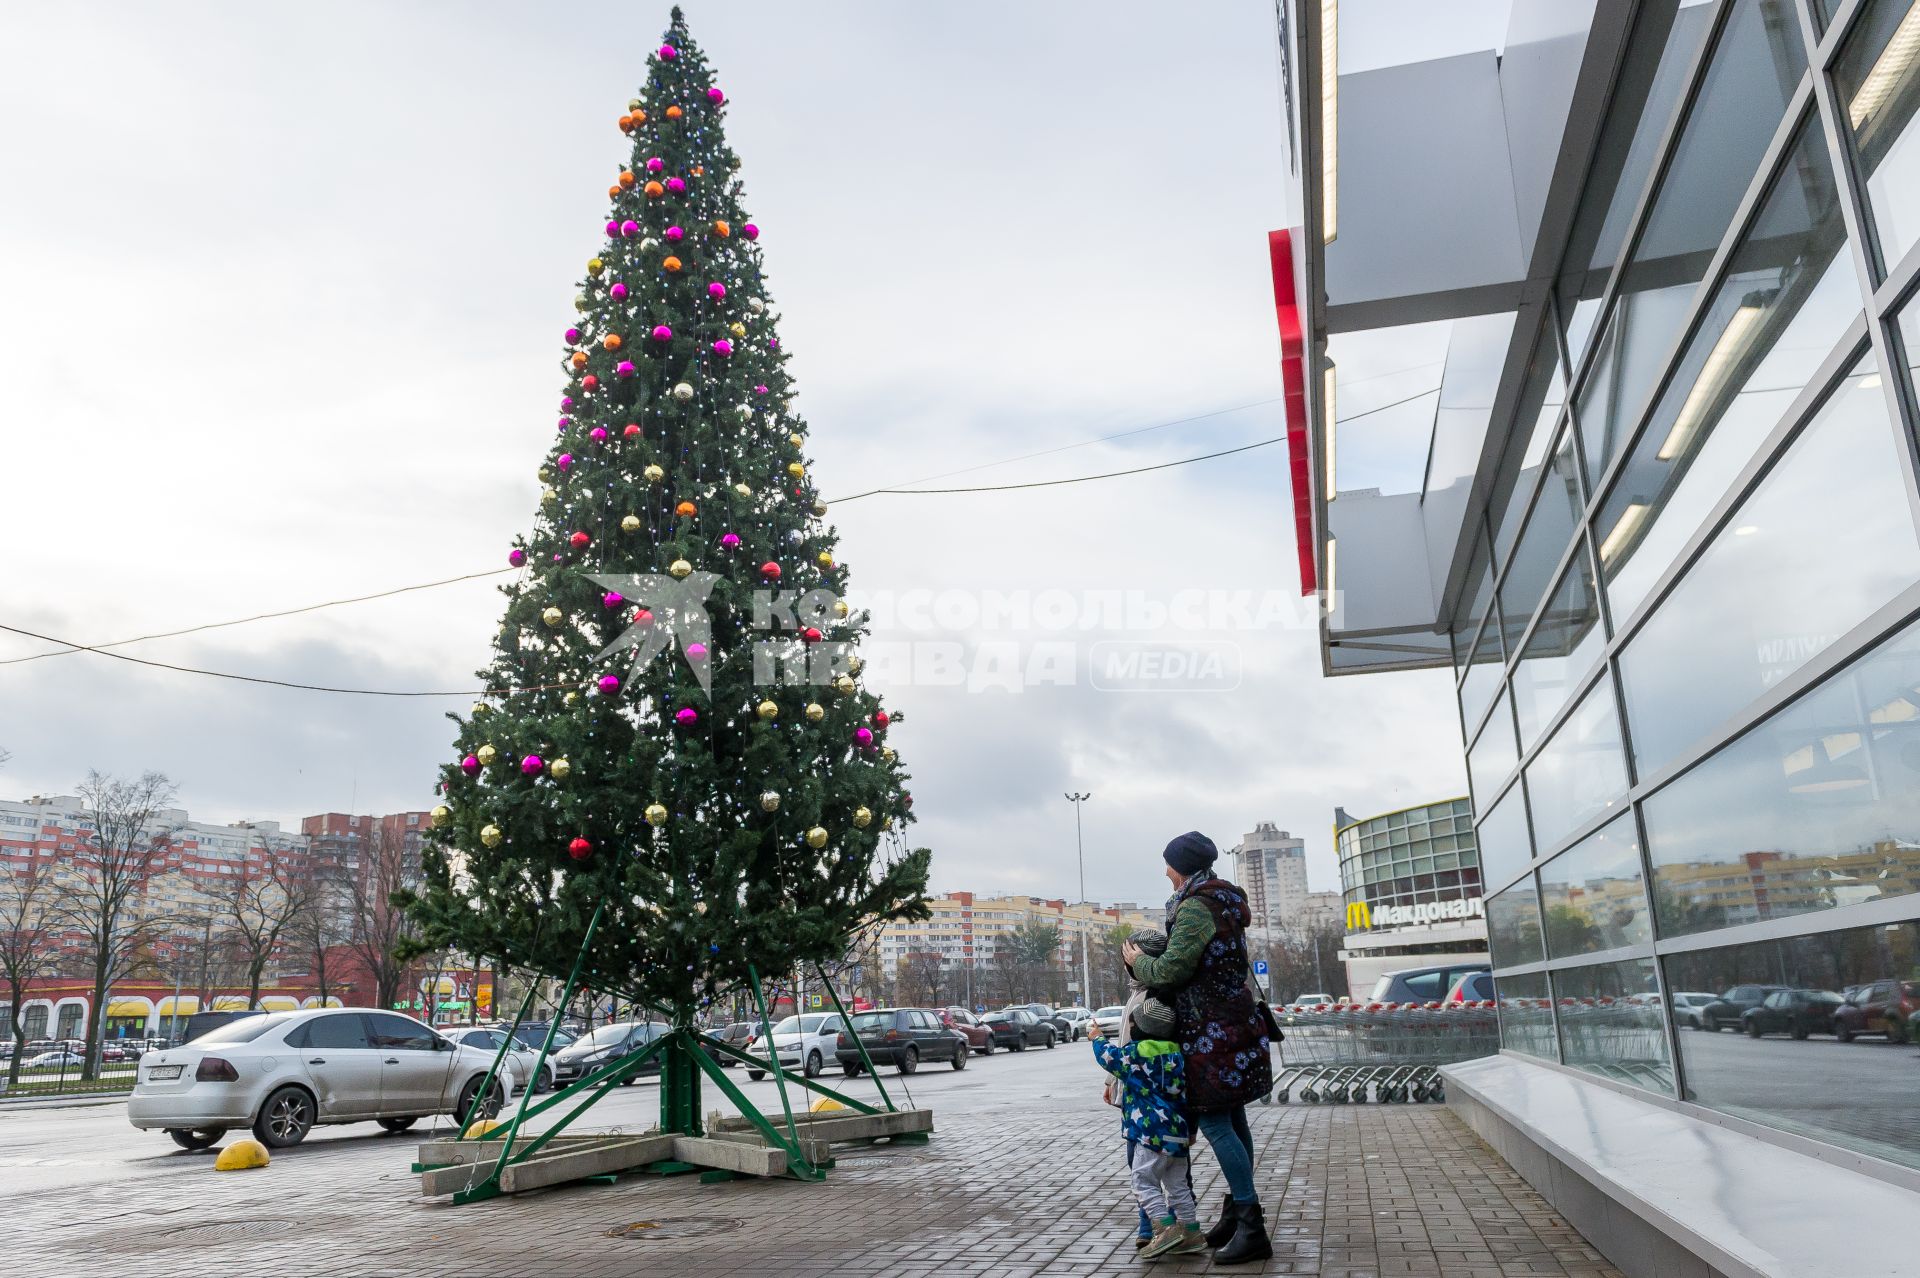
(825, 1104)
(480, 1127)
(242, 1155)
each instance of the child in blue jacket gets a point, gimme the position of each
(1153, 1086)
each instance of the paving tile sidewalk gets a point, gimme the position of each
(1031, 1187)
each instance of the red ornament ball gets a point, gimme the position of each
(642, 617)
(580, 849)
(770, 570)
(812, 634)
(632, 431)
(880, 719)
(589, 382)
(579, 541)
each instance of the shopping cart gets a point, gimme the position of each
(1617, 1038)
(1338, 1053)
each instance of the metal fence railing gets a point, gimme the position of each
(66, 1078)
(1393, 1051)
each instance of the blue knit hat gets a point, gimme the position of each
(1191, 853)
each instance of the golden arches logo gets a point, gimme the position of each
(1359, 915)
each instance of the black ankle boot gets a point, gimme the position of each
(1249, 1241)
(1220, 1233)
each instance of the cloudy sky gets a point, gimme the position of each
(284, 294)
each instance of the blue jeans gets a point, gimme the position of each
(1232, 1142)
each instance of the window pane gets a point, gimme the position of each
(1755, 67)
(1482, 679)
(1550, 527)
(1825, 539)
(346, 1030)
(1611, 1023)
(1580, 772)
(1663, 48)
(1789, 293)
(1818, 806)
(1513, 925)
(1593, 896)
(1860, 1096)
(1494, 755)
(1555, 396)
(1502, 840)
(1877, 88)
(1563, 649)
(1526, 1016)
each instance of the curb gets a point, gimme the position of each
(59, 1102)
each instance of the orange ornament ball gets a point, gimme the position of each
(674, 113)
(699, 170)
(626, 124)
(639, 118)
(685, 510)
(672, 264)
(654, 190)
(626, 178)
(611, 341)
(722, 230)
(613, 192)
(579, 359)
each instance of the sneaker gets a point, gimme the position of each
(1164, 1239)
(1139, 1242)
(1187, 1241)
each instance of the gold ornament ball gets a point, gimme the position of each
(680, 568)
(548, 496)
(630, 524)
(767, 710)
(595, 266)
(815, 711)
(738, 329)
(683, 392)
(544, 474)
(796, 439)
(486, 754)
(819, 506)
(816, 837)
(824, 559)
(580, 302)
(743, 490)
(552, 616)
(442, 816)
(855, 665)
(561, 769)
(755, 305)
(633, 104)
(491, 836)
(480, 708)
(886, 753)
(840, 608)
(886, 823)
(863, 817)
(572, 699)
(653, 473)
(843, 685)
(797, 470)
(770, 801)
(656, 814)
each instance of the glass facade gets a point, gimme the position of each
(1689, 679)
(1411, 856)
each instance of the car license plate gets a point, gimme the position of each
(162, 1072)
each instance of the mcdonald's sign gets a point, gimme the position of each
(1358, 916)
(1361, 915)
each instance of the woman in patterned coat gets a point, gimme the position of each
(1219, 1027)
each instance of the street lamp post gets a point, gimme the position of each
(1080, 851)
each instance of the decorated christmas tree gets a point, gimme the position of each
(676, 749)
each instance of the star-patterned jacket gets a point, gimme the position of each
(1153, 1090)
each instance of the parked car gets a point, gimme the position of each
(803, 1042)
(522, 1056)
(1061, 1028)
(1471, 987)
(1688, 1006)
(1077, 1019)
(968, 1026)
(737, 1034)
(1727, 1010)
(901, 1037)
(1421, 984)
(1795, 1012)
(1884, 1007)
(281, 1073)
(606, 1045)
(1016, 1029)
(533, 1033)
(1109, 1018)
(201, 1022)
(58, 1058)
(1317, 998)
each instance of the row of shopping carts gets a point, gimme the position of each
(1341, 1053)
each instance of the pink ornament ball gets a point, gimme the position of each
(668, 53)
(655, 164)
(566, 402)
(759, 390)
(773, 343)
(716, 290)
(598, 434)
(618, 292)
(609, 684)
(676, 185)
(573, 335)
(675, 233)
(531, 764)
(723, 347)
(613, 227)
(612, 599)
(715, 96)
(642, 617)
(469, 765)
(629, 228)
(696, 652)
(864, 737)
(686, 716)
(565, 422)
(625, 368)
(517, 557)
(731, 541)
(751, 231)
(566, 461)
(661, 333)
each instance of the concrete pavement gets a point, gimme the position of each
(1025, 1176)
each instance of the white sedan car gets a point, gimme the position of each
(282, 1073)
(804, 1043)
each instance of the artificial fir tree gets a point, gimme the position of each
(668, 741)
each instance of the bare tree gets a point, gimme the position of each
(381, 930)
(27, 949)
(922, 978)
(105, 896)
(322, 927)
(256, 906)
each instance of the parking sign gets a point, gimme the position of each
(1259, 967)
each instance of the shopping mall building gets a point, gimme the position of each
(1410, 892)
(1615, 313)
